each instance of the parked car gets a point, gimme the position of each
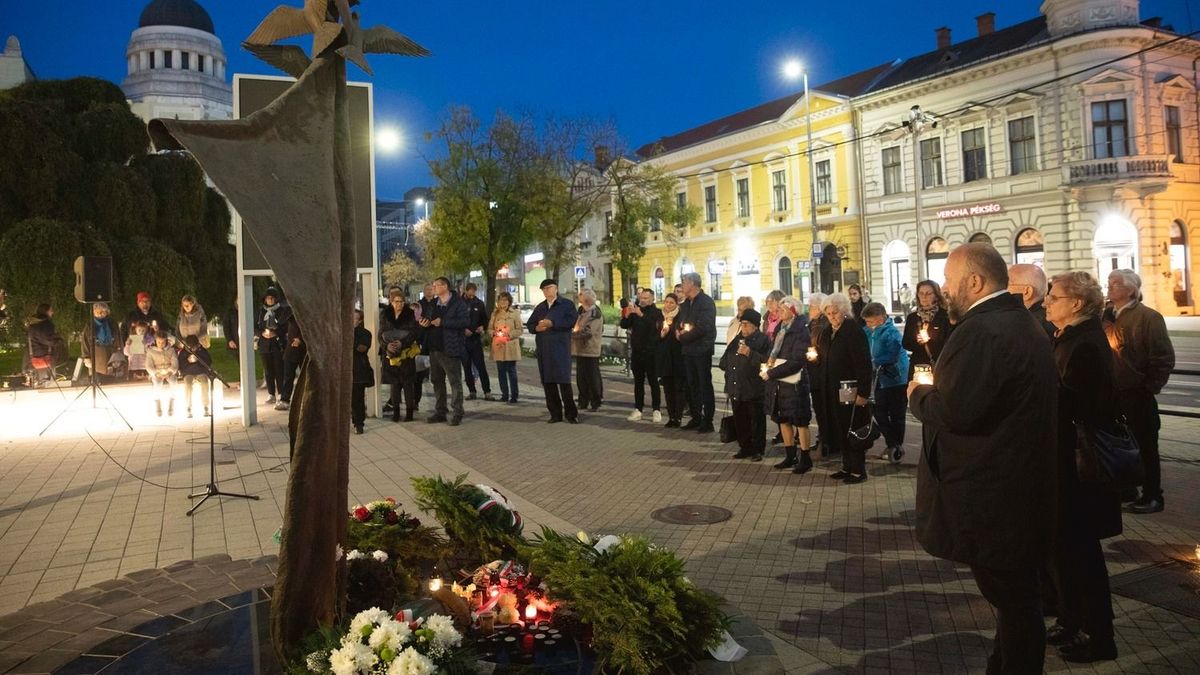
(525, 310)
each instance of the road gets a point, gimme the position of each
(1183, 391)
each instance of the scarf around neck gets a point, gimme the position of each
(269, 320)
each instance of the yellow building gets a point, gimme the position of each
(748, 173)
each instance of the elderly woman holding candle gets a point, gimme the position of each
(788, 387)
(1088, 511)
(927, 328)
(844, 359)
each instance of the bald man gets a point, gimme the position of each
(986, 480)
(1029, 282)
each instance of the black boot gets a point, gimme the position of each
(789, 461)
(408, 415)
(395, 412)
(805, 464)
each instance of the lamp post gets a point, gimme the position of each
(420, 201)
(917, 119)
(793, 69)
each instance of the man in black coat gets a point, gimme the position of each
(987, 478)
(472, 360)
(697, 331)
(444, 328)
(642, 320)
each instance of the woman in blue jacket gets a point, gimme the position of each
(890, 360)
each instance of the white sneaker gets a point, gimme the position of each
(886, 454)
(635, 416)
(270, 400)
(282, 405)
(656, 417)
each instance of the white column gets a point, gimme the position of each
(176, 58)
(221, 69)
(143, 60)
(208, 64)
(158, 58)
(131, 64)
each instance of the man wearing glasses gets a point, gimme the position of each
(1029, 282)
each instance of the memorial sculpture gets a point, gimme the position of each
(286, 170)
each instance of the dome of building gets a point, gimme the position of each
(185, 13)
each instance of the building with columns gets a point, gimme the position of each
(14, 69)
(1068, 140)
(176, 65)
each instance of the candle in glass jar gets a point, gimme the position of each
(687, 327)
(812, 353)
(923, 334)
(923, 374)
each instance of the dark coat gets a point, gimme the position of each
(742, 381)
(291, 352)
(986, 480)
(1142, 350)
(363, 372)
(644, 331)
(101, 352)
(44, 339)
(477, 317)
(668, 354)
(843, 354)
(153, 318)
(701, 313)
(455, 317)
(816, 328)
(188, 367)
(788, 401)
(275, 343)
(1086, 396)
(402, 327)
(230, 328)
(554, 345)
(940, 329)
(857, 307)
(1038, 310)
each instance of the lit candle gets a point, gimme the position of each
(435, 584)
(530, 613)
(812, 353)
(687, 327)
(923, 374)
(923, 334)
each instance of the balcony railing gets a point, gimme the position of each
(1115, 169)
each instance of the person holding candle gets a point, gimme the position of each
(927, 328)
(891, 361)
(668, 362)
(192, 320)
(844, 356)
(399, 335)
(552, 321)
(270, 322)
(772, 318)
(788, 402)
(743, 357)
(1088, 511)
(986, 480)
(162, 365)
(697, 332)
(362, 374)
(505, 330)
(586, 339)
(145, 312)
(817, 323)
(735, 324)
(643, 321)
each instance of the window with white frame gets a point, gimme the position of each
(710, 203)
(891, 171)
(655, 221)
(743, 197)
(779, 190)
(974, 154)
(1174, 128)
(1022, 145)
(824, 182)
(931, 162)
(1110, 129)
(681, 201)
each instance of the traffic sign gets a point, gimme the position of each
(818, 254)
(580, 272)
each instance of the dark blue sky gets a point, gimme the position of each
(654, 67)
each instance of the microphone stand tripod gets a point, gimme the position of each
(211, 490)
(93, 386)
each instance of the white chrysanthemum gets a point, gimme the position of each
(364, 657)
(355, 555)
(411, 662)
(365, 618)
(444, 632)
(338, 553)
(391, 634)
(380, 556)
(343, 661)
(318, 661)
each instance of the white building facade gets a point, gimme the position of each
(1068, 141)
(176, 65)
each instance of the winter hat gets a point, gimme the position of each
(548, 282)
(752, 316)
(143, 295)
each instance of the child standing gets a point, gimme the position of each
(194, 365)
(136, 345)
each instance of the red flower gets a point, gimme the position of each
(392, 518)
(362, 514)
(391, 500)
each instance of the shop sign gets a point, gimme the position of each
(968, 211)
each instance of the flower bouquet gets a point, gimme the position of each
(377, 643)
(412, 548)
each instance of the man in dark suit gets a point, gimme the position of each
(986, 482)
(697, 331)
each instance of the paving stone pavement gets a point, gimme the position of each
(830, 571)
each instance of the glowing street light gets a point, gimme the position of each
(793, 69)
(387, 140)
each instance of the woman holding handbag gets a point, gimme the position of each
(844, 360)
(787, 392)
(506, 328)
(1088, 510)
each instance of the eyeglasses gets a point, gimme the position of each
(1053, 298)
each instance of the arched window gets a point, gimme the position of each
(1115, 246)
(659, 283)
(785, 275)
(1030, 248)
(897, 271)
(1180, 265)
(936, 252)
(980, 238)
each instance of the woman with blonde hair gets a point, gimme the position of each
(743, 303)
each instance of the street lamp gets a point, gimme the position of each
(791, 70)
(420, 201)
(387, 140)
(917, 120)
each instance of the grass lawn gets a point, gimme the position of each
(224, 362)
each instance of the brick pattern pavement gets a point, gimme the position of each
(830, 570)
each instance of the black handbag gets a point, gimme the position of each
(861, 438)
(1108, 456)
(728, 430)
